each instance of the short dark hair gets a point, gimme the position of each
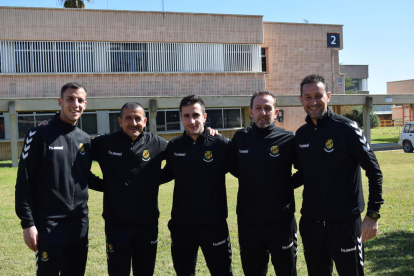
(314, 78)
(259, 93)
(73, 85)
(192, 100)
(131, 105)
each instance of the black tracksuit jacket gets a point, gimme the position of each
(265, 158)
(330, 156)
(131, 176)
(199, 168)
(53, 173)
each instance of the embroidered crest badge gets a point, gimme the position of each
(274, 151)
(146, 155)
(45, 257)
(81, 149)
(329, 145)
(208, 156)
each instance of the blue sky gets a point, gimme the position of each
(377, 33)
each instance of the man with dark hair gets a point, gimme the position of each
(198, 162)
(265, 203)
(331, 149)
(52, 188)
(130, 160)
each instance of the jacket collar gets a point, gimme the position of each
(200, 138)
(128, 139)
(321, 121)
(262, 132)
(58, 122)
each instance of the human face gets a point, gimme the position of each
(263, 111)
(193, 119)
(133, 121)
(315, 100)
(72, 104)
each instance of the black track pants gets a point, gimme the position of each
(131, 243)
(277, 239)
(62, 247)
(214, 241)
(325, 242)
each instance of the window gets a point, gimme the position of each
(263, 58)
(2, 130)
(31, 120)
(113, 121)
(88, 123)
(407, 128)
(168, 120)
(128, 57)
(340, 81)
(224, 118)
(79, 57)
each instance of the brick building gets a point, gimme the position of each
(156, 54)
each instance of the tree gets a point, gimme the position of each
(76, 4)
(357, 116)
(349, 85)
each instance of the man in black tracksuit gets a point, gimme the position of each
(265, 203)
(52, 189)
(198, 162)
(331, 149)
(130, 160)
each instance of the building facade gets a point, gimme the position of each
(358, 75)
(156, 54)
(403, 113)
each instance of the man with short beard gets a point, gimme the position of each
(330, 150)
(265, 202)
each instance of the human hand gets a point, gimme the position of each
(31, 236)
(369, 228)
(213, 132)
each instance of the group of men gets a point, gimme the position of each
(328, 151)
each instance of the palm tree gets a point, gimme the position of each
(77, 4)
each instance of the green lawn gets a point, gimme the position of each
(391, 253)
(381, 135)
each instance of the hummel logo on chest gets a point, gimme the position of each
(244, 151)
(115, 153)
(179, 154)
(304, 145)
(56, 148)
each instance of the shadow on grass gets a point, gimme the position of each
(392, 254)
(5, 165)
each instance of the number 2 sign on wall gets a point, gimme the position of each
(333, 40)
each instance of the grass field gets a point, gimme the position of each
(380, 135)
(391, 253)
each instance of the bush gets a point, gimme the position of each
(357, 116)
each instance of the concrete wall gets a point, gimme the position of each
(355, 71)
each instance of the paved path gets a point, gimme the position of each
(387, 146)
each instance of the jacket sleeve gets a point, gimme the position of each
(167, 173)
(362, 152)
(95, 183)
(29, 166)
(230, 158)
(96, 147)
(234, 167)
(297, 179)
